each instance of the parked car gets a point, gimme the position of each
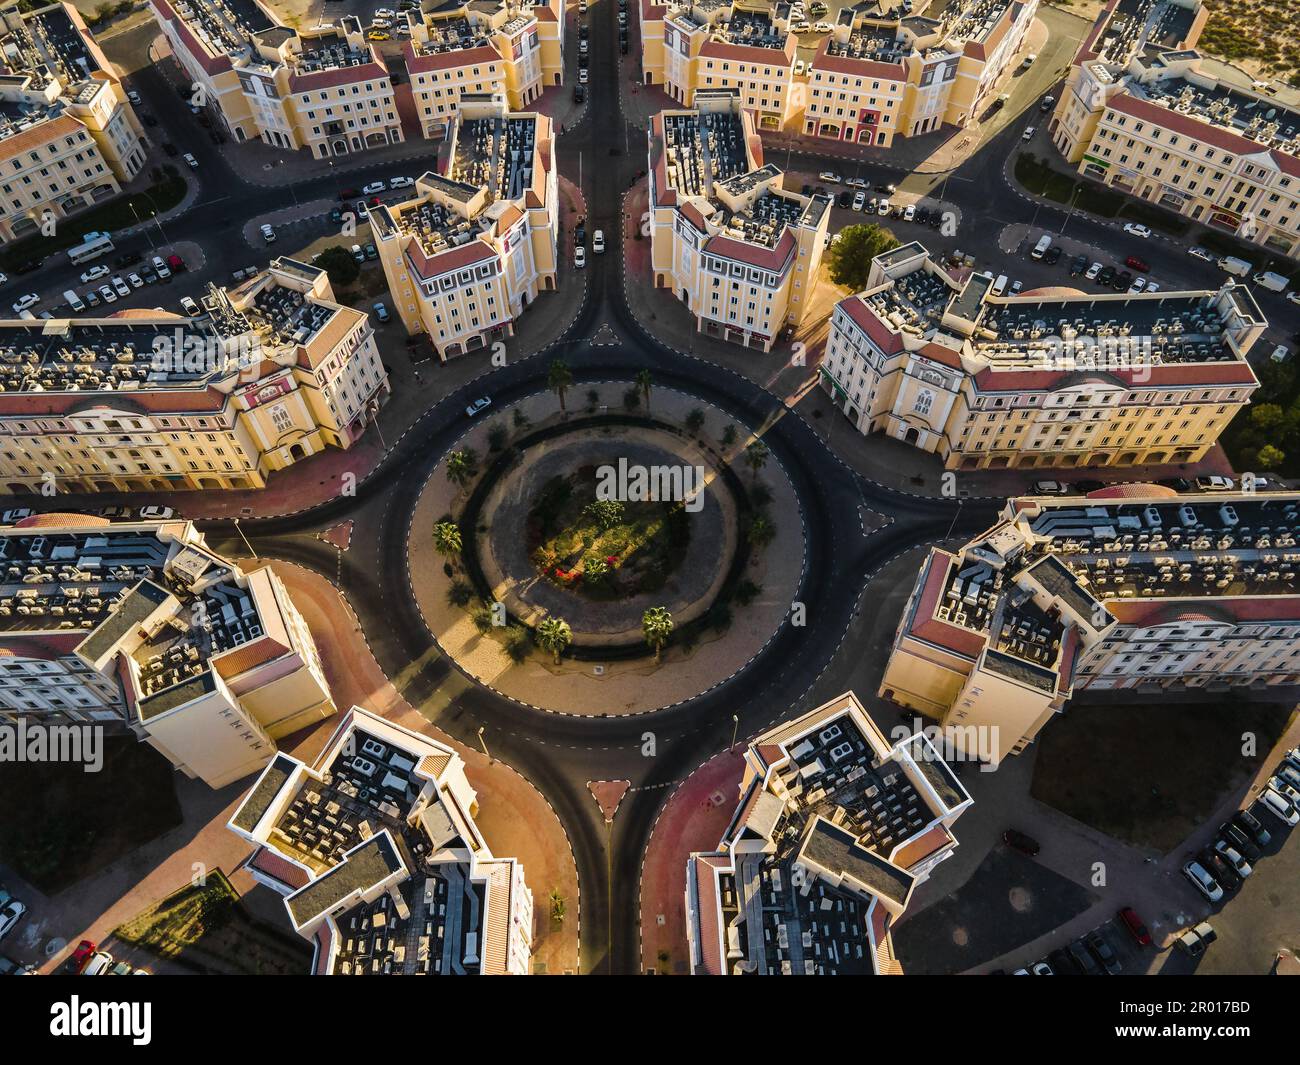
(128, 259)
(381, 312)
(374, 188)
(859, 200)
(1195, 940)
(26, 302)
(1279, 806)
(107, 294)
(161, 268)
(371, 252)
(1139, 285)
(1203, 881)
(135, 280)
(268, 233)
(1045, 104)
(1053, 255)
(1029, 132)
(193, 163)
(1197, 252)
(120, 287)
(1082, 959)
(1237, 836)
(79, 957)
(1215, 483)
(1079, 265)
(401, 182)
(1233, 857)
(116, 513)
(1134, 925)
(1103, 952)
(94, 273)
(11, 912)
(887, 187)
(1134, 263)
(16, 514)
(909, 212)
(1093, 272)
(1224, 873)
(1107, 277)
(155, 513)
(358, 254)
(190, 307)
(1041, 968)
(580, 257)
(479, 405)
(1133, 229)
(98, 965)
(1060, 962)
(1017, 840)
(1122, 281)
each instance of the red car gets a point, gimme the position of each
(1134, 263)
(1130, 920)
(85, 950)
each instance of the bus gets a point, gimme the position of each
(95, 245)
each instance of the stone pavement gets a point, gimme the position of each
(693, 819)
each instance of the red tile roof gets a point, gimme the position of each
(430, 266)
(752, 254)
(860, 68)
(328, 79)
(463, 57)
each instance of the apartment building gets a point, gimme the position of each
(1051, 377)
(853, 72)
(383, 869)
(143, 400)
(512, 48)
(837, 825)
(1144, 113)
(473, 247)
(140, 626)
(739, 250)
(1134, 588)
(68, 135)
(325, 90)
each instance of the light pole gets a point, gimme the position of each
(1070, 213)
(482, 743)
(148, 237)
(245, 539)
(735, 727)
(292, 189)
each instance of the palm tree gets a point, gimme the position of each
(643, 382)
(756, 455)
(554, 635)
(761, 531)
(656, 627)
(558, 379)
(462, 466)
(446, 539)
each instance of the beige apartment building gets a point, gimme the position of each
(1134, 588)
(734, 246)
(849, 72)
(272, 372)
(472, 248)
(837, 825)
(383, 869)
(68, 135)
(1051, 377)
(141, 626)
(325, 89)
(1146, 114)
(510, 48)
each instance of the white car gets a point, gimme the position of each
(1029, 132)
(107, 294)
(401, 182)
(10, 914)
(1041, 968)
(1279, 806)
(1293, 296)
(580, 257)
(374, 188)
(135, 280)
(1135, 230)
(133, 96)
(909, 212)
(156, 513)
(120, 287)
(829, 176)
(598, 242)
(268, 233)
(857, 183)
(859, 200)
(1092, 271)
(161, 268)
(1050, 488)
(190, 307)
(480, 404)
(1215, 482)
(1285, 789)
(193, 163)
(1202, 881)
(94, 274)
(1030, 59)
(1229, 854)
(1139, 285)
(16, 514)
(1153, 286)
(1197, 252)
(884, 207)
(22, 303)
(582, 75)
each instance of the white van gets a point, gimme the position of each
(1040, 249)
(1000, 285)
(73, 301)
(98, 965)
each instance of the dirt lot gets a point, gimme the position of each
(1149, 774)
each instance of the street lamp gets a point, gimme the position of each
(735, 727)
(483, 744)
(245, 539)
(141, 222)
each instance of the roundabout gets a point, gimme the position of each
(593, 518)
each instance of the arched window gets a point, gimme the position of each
(924, 400)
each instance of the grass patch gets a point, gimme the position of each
(66, 825)
(167, 190)
(1044, 180)
(1150, 774)
(205, 927)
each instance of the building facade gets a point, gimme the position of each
(845, 72)
(69, 137)
(512, 49)
(1051, 377)
(325, 90)
(383, 869)
(742, 253)
(140, 626)
(837, 825)
(274, 371)
(472, 248)
(1147, 115)
(1134, 588)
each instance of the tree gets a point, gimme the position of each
(695, 420)
(656, 627)
(558, 379)
(460, 593)
(446, 539)
(756, 455)
(338, 263)
(553, 636)
(594, 568)
(517, 640)
(643, 382)
(760, 531)
(849, 257)
(728, 436)
(462, 467)
(520, 418)
(498, 434)
(631, 399)
(605, 513)
(1270, 457)
(483, 619)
